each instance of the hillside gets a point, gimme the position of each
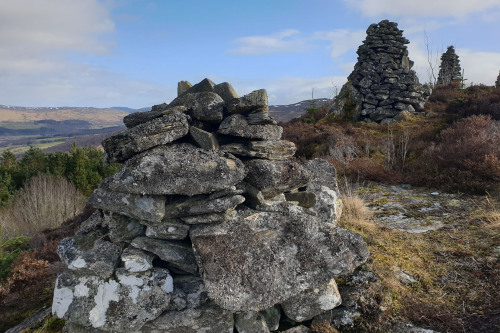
(284, 113)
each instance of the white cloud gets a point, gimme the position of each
(479, 67)
(342, 40)
(428, 8)
(284, 41)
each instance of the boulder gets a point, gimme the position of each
(178, 169)
(263, 258)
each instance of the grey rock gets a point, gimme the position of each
(272, 317)
(304, 199)
(178, 169)
(177, 253)
(205, 106)
(237, 125)
(209, 218)
(189, 292)
(158, 131)
(226, 91)
(263, 258)
(250, 322)
(312, 302)
(136, 260)
(205, 85)
(158, 111)
(275, 177)
(123, 228)
(204, 139)
(168, 229)
(298, 329)
(123, 304)
(271, 150)
(256, 100)
(182, 87)
(90, 254)
(142, 207)
(200, 205)
(206, 318)
(449, 69)
(260, 117)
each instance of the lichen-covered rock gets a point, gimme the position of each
(312, 302)
(206, 318)
(138, 118)
(167, 229)
(210, 218)
(200, 206)
(90, 254)
(268, 149)
(142, 207)
(204, 106)
(256, 100)
(178, 254)
(120, 304)
(204, 139)
(237, 125)
(250, 322)
(123, 228)
(275, 177)
(178, 169)
(225, 91)
(303, 199)
(189, 292)
(272, 317)
(260, 117)
(156, 132)
(263, 258)
(136, 260)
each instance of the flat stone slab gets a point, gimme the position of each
(178, 169)
(237, 125)
(266, 149)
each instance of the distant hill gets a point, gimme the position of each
(284, 113)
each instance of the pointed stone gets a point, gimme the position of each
(226, 91)
(182, 87)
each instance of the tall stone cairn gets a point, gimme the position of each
(209, 226)
(497, 82)
(382, 83)
(449, 70)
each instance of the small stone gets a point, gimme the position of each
(304, 199)
(250, 322)
(209, 218)
(135, 260)
(123, 228)
(182, 87)
(225, 91)
(177, 253)
(204, 139)
(168, 229)
(272, 317)
(312, 302)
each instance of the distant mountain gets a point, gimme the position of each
(284, 113)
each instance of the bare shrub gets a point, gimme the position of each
(45, 201)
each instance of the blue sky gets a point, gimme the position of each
(133, 52)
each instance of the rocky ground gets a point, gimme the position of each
(434, 263)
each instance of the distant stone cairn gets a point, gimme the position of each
(449, 70)
(209, 226)
(497, 82)
(382, 83)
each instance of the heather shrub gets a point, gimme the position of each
(466, 157)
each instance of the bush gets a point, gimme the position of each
(46, 201)
(466, 157)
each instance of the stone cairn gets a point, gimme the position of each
(382, 83)
(449, 70)
(209, 226)
(497, 82)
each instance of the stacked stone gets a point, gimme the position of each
(209, 225)
(497, 82)
(449, 70)
(382, 83)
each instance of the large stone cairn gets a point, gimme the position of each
(208, 226)
(449, 70)
(382, 83)
(497, 82)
